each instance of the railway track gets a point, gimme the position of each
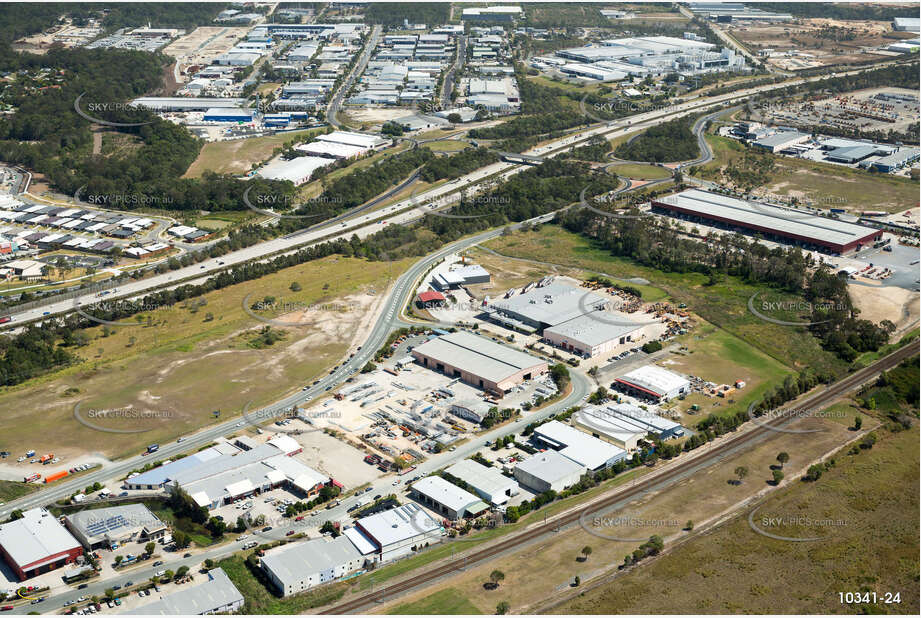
(813, 402)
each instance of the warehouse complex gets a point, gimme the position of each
(773, 222)
(394, 533)
(37, 543)
(113, 526)
(486, 481)
(225, 473)
(654, 383)
(218, 595)
(569, 318)
(623, 423)
(587, 451)
(478, 361)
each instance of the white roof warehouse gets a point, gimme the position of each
(299, 566)
(582, 448)
(218, 595)
(651, 382)
(479, 361)
(548, 471)
(487, 481)
(447, 498)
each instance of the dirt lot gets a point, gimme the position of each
(203, 44)
(831, 41)
(896, 304)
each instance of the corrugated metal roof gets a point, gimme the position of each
(477, 355)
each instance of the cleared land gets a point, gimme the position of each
(196, 357)
(732, 570)
(831, 184)
(443, 602)
(724, 304)
(641, 172)
(447, 145)
(238, 156)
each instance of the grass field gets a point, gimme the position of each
(237, 156)
(641, 172)
(827, 184)
(167, 367)
(10, 490)
(447, 145)
(733, 570)
(444, 602)
(724, 304)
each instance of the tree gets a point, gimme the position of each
(16, 514)
(858, 422)
(741, 472)
(118, 560)
(149, 548)
(783, 457)
(181, 539)
(778, 476)
(495, 577)
(814, 473)
(181, 571)
(576, 581)
(295, 287)
(455, 118)
(689, 525)
(586, 551)
(168, 575)
(209, 563)
(110, 593)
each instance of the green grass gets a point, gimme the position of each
(724, 303)
(11, 490)
(260, 601)
(237, 156)
(446, 145)
(641, 172)
(443, 602)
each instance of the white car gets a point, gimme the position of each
(21, 459)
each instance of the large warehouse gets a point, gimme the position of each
(486, 481)
(655, 383)
(548, 471)
(37, 543)
(395, 533)
(218, 595)
(447, 498)
(297, 170)
(773, 222)
(585, 450)
(591, 335)
(300, 566)
(478, 361)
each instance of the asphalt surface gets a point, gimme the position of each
(336, 102)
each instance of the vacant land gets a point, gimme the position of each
(822, 182)
(238, 156)
(11, 490)
(175, 365)
(733, 570)
(447, 145)
(641, 172)
(444, 602)
(724, 303)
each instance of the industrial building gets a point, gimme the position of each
(218, 595)
(351, 138)
(906, 24)
(593, 335)
(447, 498)
(585, 450)
(648, 55)
(651, 382)
(488, 482)
(623, 416)
(542, 307)
(606, 426)
(298, 170)
(331, 150)
(299, 566)
(459, 277)
(548, 471)
(224, 473)
(186, 104)
(726, 12)
(772, 222)
(37, 543)
(782, 140)
(478, 361)
(896, 161)
(113, 526)
(394, 533)
(228, 114)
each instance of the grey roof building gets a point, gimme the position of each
(547, 306)
(486, 481)
(447, 498)
(217, 595)
(303, 565)
(548, 471)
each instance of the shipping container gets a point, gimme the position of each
(57, 475)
